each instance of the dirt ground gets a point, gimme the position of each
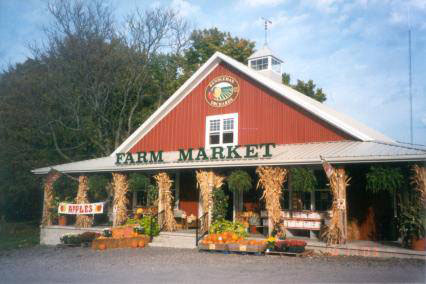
(41, 264)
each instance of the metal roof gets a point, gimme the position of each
(263, 52)
(344, 152)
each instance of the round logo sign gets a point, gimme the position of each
(222, 91)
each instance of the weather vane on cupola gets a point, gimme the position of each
(266, 30)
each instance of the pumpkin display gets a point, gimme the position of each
(134, 244)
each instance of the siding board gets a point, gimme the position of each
(263, 117)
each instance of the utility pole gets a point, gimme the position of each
(409, 86)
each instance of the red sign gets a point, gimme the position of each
(77, 209)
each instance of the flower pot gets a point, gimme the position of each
(419, 244)
(62, 220)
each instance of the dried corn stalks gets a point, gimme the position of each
(83, 221)
(206, 182)
(271, 179)
(48, 197)
(165, 200)
(121, 187)
(419, 181)
(336, 231)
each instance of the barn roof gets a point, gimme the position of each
(341, 121)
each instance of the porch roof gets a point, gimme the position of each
(344, 152)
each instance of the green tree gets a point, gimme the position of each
(204, 43)
(307, 88)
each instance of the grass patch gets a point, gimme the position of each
(19, 235)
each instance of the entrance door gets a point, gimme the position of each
(188, 193)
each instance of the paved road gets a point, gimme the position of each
(161, 265)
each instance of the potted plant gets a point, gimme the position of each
(239, 181)
(254, 221)
(411, 226)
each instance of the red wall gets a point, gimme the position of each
(263, 117)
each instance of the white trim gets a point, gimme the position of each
(221, 117)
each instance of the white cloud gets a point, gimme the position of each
(324, 6)
(257, 3)
(184, 8)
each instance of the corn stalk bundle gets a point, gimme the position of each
(419, 181)
(205, 190)
(83, 221)
(165, 197)
(335, 232)
(206, 182)
(121, 186)
(271, 179)
(48, 197)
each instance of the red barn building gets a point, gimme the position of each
(231, 116)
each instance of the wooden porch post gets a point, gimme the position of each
(207, 181)
(337, 231)
(165, 201)
(48, 197)
(272, 180)
(121, 186)
(83, 221)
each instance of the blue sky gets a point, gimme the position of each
(357, 51)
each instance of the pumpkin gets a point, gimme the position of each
(102, 246)
(141, 244)
(134, 244)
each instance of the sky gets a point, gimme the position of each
(356, 51)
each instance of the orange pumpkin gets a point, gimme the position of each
(102, 246)
(134, 244)
(141, 244)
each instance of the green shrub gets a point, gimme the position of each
(220, 204)
(221, 226)
(239, 180)
(145, 222)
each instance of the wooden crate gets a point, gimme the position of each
(109, 243)
(233, 248)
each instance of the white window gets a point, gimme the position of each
(259, 64)
(222, 130)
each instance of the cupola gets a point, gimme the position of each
(265, 62)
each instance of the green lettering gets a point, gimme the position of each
(217, 151)
(119, 156)
(201, 152)
(233, 150)
(267, 149)
(156, 158)
(129, 159)
(185, 156)
(142, 158)
(250, 151)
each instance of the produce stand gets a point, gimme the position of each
(233, 248)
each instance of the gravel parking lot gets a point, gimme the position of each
(162, 265)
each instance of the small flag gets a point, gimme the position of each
(327, 167)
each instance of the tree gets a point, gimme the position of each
(307, 88)
(204, 43)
